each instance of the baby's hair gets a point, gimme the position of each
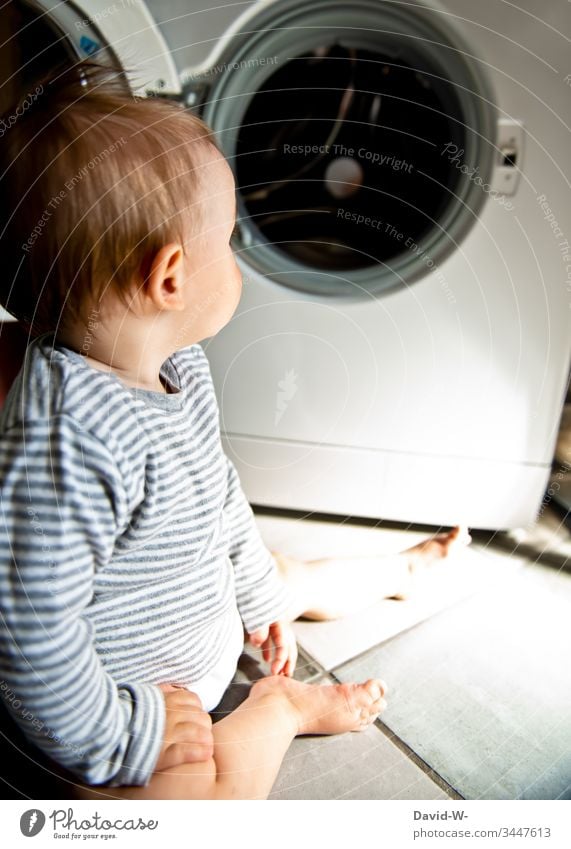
(93, 182)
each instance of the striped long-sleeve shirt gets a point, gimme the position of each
(126, 545)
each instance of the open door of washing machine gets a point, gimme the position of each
(42, 34)
(337, 119)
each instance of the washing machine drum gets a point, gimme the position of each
(351, 128)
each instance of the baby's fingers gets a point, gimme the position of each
(186, 753)
(289, 667)
(281, 655)
(195, 732)
(267, 649)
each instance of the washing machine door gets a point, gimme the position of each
(124, 34)
(361, 135)
(40, 35)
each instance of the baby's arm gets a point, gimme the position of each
(62, 504)
(261, 594)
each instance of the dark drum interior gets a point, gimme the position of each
(397, 117)
(41, 48)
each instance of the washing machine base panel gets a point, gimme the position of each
(491, 494)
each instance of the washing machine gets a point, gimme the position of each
(401, 349)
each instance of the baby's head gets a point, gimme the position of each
(103, 197)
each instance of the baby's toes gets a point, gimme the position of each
(376, 688)
(374, 703)
(460, 535)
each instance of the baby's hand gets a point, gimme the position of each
(188, 736)
(283, 639)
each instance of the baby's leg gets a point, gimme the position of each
(338, 586)
(250, 744)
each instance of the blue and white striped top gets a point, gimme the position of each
(126, 546)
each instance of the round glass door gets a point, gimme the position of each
(351, 133)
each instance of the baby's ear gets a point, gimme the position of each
(165, 281)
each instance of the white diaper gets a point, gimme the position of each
(211, 688)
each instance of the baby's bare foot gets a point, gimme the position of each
(430, 551)
(437, 548)
(328, 709)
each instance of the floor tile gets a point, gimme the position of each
(473, 570)
(482, 691)
(364, 765)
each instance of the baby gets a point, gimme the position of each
(130, 563)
